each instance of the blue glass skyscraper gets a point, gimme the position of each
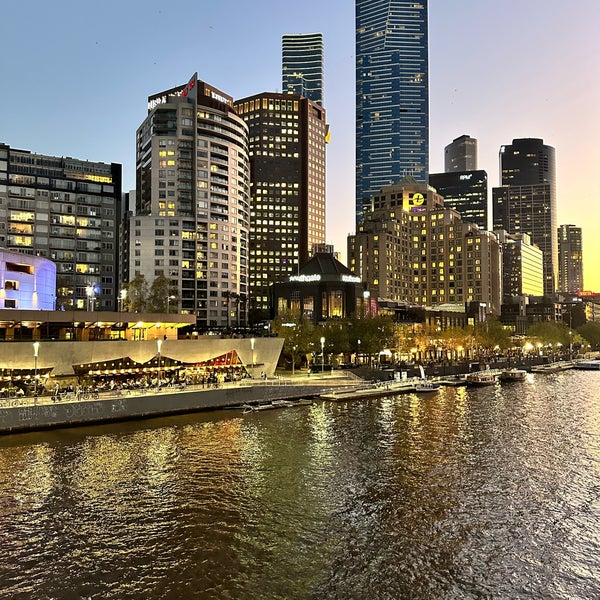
(392, 95)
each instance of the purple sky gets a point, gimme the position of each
(75, 77)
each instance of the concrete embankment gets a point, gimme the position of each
(27, 415)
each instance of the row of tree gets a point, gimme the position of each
(368, 336)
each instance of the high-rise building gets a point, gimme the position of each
(410, 248)
(302, 65)
(67, 210)
(287, 159)
(461, 154)
(466, 192)
(522, 266)
(526, 202)
(392, 95)
(570, 254)
(192, 213)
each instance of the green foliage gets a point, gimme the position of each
(162, 295)
(591, 333)
(137, 293)
(492, 333)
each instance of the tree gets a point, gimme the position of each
(296, 332)
(162, 295)
(591, 333)
(137, 294)
(375, 334)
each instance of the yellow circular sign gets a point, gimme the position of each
(418, 199)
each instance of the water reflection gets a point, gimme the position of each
(489, 493)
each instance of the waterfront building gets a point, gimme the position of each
(411, 248)
(392, 95)
(287, 158)
(461, 154)
(465, 192)
(323, 289)
(66, 210)
(522, 265)
(192, 213)
(302, 65)
(526, 200)
(26, 281)
(570, 255)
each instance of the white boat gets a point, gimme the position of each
(588, 364)
(426, 386)
(513, 375)
(247, 408)
(481, 378)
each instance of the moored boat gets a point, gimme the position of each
(513, 375)
(592, 364)
(426, 386)
(481, 378)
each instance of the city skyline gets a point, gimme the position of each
(78, 86)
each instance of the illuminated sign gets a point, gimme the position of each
(305, 278)
(466, 176)
(188, 90)
(417, 199)
(351, 279)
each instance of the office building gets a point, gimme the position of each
(392, 95)
(461, 154)
(287, 159)
(526, 202)
(302, 65)
(192, 213)
(411, 248)
(570, 255)
(66, 210)
(522, 266)
(465, 192)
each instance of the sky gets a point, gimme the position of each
(75, 77)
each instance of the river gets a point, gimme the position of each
(461, 494)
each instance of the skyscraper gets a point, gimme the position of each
(461, 154)
(287, 163)
(570, 254)
(392, 95)
(466, 192)
(302, 65)
(192, 215)
(526, 202)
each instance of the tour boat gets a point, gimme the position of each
(513, 375)
(426, 386)
(481, 378)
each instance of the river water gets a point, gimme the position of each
(486, 493)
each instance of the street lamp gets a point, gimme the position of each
(252, 342)
(293, 360)
(89, 290)
(169, 298)
(358, 357)
(570, 345)
(159, 346)
(322, 355)
(122, 297)
(36, 349)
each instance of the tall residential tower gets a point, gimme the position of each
(392, 95)
(192, 216)
(302, 65)
(570, 254)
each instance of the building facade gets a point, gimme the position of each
(66, 210)
(461, 154)
(392, 95)
(526, 202)
(287, 158)
(522, 266)
(192, 212)
(302, 65)
(412, 249)
(570, 259)
(465, 192)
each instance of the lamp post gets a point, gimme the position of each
(322, 355)
(36, 349)
(358, 357)
(252, 342)
(570, 345)
(158, 346)
(122, 297)
(294, 360)
(89, 290)
(169, 298)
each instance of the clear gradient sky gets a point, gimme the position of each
(75, 76)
